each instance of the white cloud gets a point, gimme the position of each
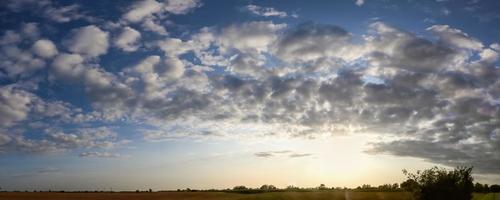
(89, 40)
(495, 46)
(14, 105)
(251, 37)
(64, 13)
(128, 39)
(142, 9)
(68, 66)
(153, 26)
(265, 11)
(174, 68)
(179, 7)
(455, 37)
(44, 48)
(146, 9)
(359, 2)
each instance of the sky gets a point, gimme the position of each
(125, 95)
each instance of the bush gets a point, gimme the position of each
(437, 184)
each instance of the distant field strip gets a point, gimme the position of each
(212, 196)
(318, 195)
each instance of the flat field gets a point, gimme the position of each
(330, 195)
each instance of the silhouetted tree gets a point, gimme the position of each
(268, 187)
(409, 185)
(291, 187)
(478, 187)
(438, 184)
(322, 187)
(495, 188)
(240, 187)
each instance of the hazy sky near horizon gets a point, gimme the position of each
(125, 95)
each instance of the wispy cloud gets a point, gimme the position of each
(266, 11)
(291, 154)
(95, 154)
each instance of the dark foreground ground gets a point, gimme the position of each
(330, 195)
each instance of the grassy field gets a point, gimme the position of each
(211, 196)
(330, 195)
(489, 196)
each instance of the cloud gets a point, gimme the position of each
(290, 154)
(128, 39)
(4, 139)
(253, 80)
(17, 62)
(14, 106)
(180, 7)
(359, 2)
(15, 59)
(89, 41)
(264, 154)
(251, 37)
(153, 26)
(299, 155)
(96, 154)
(64, 13)
(142, 9)
(265, 11)
(151, 12)
(310, 41)
(420, 89)
(455, 37)
(44, 48)
(50, 10)
(102, 88)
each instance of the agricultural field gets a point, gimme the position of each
(211, 195)
(330, 195)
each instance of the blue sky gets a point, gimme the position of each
(211, 94)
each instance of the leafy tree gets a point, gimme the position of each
(437, 183)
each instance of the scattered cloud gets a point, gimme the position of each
(151, 12)
(265, 11)
(50, 10)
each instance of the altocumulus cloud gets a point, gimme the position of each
(252, 80)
